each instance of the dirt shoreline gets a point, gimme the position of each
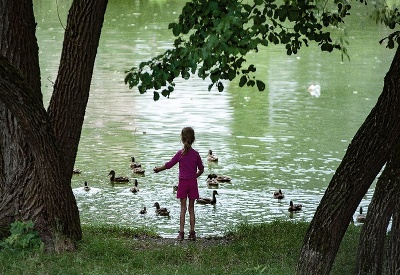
(206, 241)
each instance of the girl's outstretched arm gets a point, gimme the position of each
(158, 169)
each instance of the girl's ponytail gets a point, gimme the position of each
(187, 136)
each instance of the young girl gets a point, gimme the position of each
(190, 168)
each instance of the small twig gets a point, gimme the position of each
(58, 14)
(48, 78)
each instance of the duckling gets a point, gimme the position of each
(113, 178)
(212, 180)
(279, 195)
(294, 207)
(211, 156)
(135, 188)
(143, 211)
(86, 187)
(208, 200)
(161, 211)
(361, 218)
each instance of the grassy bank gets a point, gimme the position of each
(271, 248)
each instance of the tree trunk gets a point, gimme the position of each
(364, 158)
(373, 233)
(18, 44)
(71, 89)
(38, 149)
(393, 255)
(47, 199)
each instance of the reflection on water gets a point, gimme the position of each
(282, 138)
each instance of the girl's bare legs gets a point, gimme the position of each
(192, 215)
(192, 233)
(182, 216)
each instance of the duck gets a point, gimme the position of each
(86, 186)
(138, 170)
(76, 171)
(279, 195)
(161, 211)
(135, 188)
(294, 207)
(135, 164)
(212, 180)
(222, 178)
(314, 90)
(143, 211)
(208, 200)
(361, 218)
(211, 157)
(113, 178)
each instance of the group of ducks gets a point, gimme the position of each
(361, 218)
(160, 211)
(136, 168)
(292, 207)
(213, 180)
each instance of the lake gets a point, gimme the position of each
(282, 138)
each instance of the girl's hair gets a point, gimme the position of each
(187, 136)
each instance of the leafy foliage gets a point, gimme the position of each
(390, 17)
(22, 236)
(213, 38)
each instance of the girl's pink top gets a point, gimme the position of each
(188, 163)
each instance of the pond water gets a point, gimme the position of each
(282, 138)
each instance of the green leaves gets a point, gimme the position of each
(156, 96)
(388, 16)
(246, 80)
(22, 236)
(392, 40)
(213, 37)
(243, 81)
(176, 29)
(260, 85)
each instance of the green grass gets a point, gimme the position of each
(271, 248)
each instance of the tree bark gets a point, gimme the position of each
(393, 251)
(374, 231)
(71, 89)
(18, 44)
(35, 182)
(367, 153)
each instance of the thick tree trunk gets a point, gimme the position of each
(18, 44)
(47, 201)
(71, 90)
(18, 41)
(374, 231)
(393, 252)
(365, 156)
(35, 172)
